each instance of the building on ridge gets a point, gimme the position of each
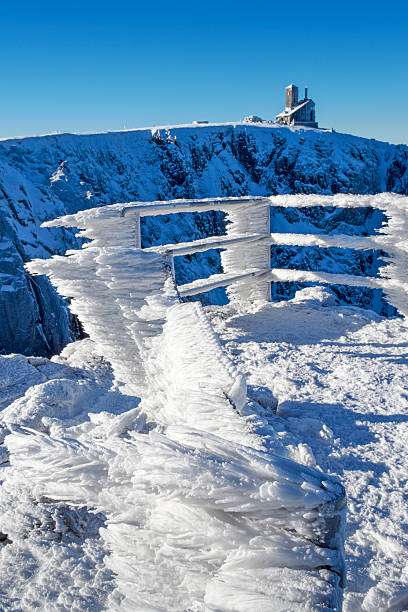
(297, 112)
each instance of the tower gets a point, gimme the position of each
(292, 96)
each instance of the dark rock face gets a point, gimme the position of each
(45, 177)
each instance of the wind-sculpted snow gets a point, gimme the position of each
(186, 521)
(43, 177)
(51, 554)
(191, 520)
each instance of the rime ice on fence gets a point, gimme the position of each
(108, 282)
(192, 382)
(195, 521)
(246, 255)
(199, 510)
(246, 258)
(391, 238)
(251, 218)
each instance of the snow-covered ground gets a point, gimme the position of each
(103, 509)
(331, 384)
(339, 376)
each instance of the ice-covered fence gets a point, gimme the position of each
(392, 238)
(200, 511)
(119, 293)
(119, 290)
(245, 256)
(246, 246)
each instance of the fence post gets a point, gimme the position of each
(138, 236)
(248, 218)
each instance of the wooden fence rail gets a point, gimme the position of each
(246, 246)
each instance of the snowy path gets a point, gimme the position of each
(340, 378)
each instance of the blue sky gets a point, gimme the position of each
(96, 66)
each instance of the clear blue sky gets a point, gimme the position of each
(95, 66)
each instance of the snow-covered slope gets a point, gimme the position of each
(43, 177)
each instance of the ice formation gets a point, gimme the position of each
(199, 512)
(391, 238)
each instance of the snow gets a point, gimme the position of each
(339, 378)
(337, 400)
(189, 515)
(327, 388)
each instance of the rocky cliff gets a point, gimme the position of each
(44, 177)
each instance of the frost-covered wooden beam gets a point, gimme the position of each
(382, 201)
(394, 286)
(269, 275)
(187, 361)
(309, 276)
(254, 256)
(202, 285)
(177, 206)
(341, 241)
(197, 246)
(82, 218)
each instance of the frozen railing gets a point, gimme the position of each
(119, 290)
(179, 506)
(245, 256)
(246, 246)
